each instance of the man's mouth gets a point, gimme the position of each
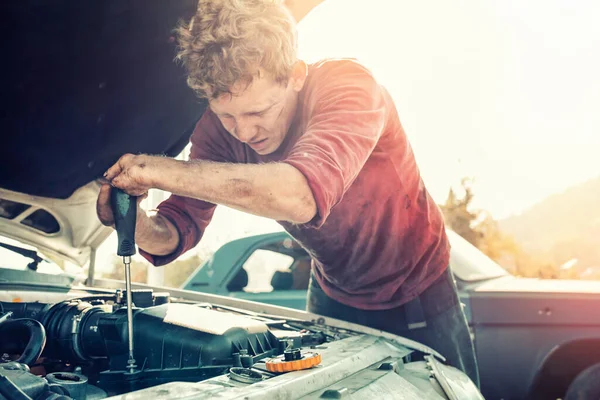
(258, 144)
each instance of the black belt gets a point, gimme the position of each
(438, 296)
(415, 317)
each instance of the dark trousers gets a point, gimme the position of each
(435, 319)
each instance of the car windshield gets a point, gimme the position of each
(469, 263)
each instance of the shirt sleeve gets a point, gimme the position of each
(346, 116)
(191, 216)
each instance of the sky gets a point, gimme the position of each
(506, 92)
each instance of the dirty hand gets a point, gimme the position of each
(132, 174)
(104, 209)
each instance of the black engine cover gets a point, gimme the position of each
(179, 341)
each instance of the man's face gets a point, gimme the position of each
(258, 114)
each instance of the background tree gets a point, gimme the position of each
(458, 213)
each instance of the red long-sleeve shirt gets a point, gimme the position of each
(378, 238)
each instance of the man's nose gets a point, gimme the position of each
(245, 131)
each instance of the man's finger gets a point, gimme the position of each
(103, 208)
(112, 172)
(125, 183)
(117, 168)
(103, 181)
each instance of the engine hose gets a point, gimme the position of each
(24, 327)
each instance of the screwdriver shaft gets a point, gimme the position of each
(131, 361)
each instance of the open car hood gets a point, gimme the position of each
(67, 229)
(85, 82)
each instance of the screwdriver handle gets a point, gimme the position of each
(124, 207)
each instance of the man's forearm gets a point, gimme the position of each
(275, 190)
(155, 234)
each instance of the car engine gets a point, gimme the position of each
(77, 348)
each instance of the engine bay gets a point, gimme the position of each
(77, 348)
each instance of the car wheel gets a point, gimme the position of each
(586, 385)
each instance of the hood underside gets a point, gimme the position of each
(67, 229)
(85, 82)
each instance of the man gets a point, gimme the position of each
(320, 149)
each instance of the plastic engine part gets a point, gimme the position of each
(279, 364)
(179, 341)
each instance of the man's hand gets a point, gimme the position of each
(153, 233)
(104, 209)
(131, 173)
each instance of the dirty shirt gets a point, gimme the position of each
(378, 238)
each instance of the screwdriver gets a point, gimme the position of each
(124, 207)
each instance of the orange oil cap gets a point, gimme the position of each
(279, 364)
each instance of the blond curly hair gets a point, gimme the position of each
(228, 41)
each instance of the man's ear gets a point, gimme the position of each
(299, 73)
